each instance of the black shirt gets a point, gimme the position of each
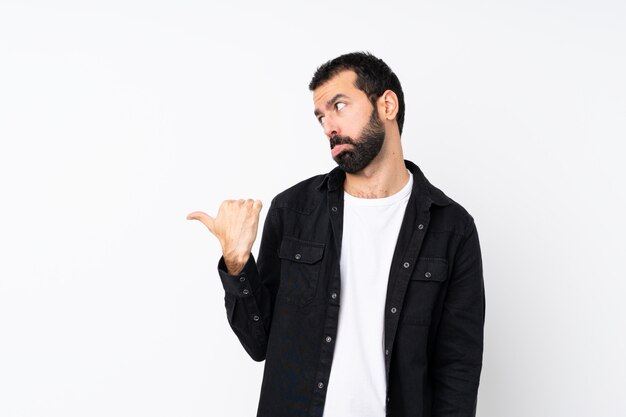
(284, 306)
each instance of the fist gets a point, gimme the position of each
(235, 226)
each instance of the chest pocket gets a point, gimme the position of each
(425, 287)
(300, 269)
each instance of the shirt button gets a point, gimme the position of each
(406, 264)
(427, 274)
(420, 226)
(255, 318)
(320, 385)
(245, 291)
(333, 295)
(334, 208)
(298, 256)
(393, 310)
(242, 279)
(328, 339)
(386, 351)
(387, 399)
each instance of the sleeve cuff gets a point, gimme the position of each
(236, 284)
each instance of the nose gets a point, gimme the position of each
(330, 127)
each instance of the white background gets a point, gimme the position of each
(119, 118)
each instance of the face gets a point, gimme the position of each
(351, 123)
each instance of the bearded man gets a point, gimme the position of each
(367, 297)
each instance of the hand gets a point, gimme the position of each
(236, 227)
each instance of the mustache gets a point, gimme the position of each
(340, 140)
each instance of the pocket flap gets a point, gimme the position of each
(303, 251)
(430, 269)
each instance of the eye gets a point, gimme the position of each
(321, 120)
(339, 105)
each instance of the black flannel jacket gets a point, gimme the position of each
(284, 305)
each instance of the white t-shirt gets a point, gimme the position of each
(357, 383)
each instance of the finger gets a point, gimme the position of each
(257, 205)
(207, 220)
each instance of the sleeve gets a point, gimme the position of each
(250, 295)
(459, 345)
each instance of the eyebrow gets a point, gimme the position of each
(331, 102)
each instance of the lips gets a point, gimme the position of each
(337, 149)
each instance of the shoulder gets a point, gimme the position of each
(303, 196)
(448, 214)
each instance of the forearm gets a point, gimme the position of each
(248, 307)
(459, 347)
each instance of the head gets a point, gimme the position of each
(358, 100)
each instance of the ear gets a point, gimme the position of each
(389, 104)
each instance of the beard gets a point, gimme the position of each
(364, 150)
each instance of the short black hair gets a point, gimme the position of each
(373, 77)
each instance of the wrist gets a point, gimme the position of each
(236, 263)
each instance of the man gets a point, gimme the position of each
(367, 296)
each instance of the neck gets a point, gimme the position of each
(384, 176)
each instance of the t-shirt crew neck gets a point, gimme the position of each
(383, 201)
